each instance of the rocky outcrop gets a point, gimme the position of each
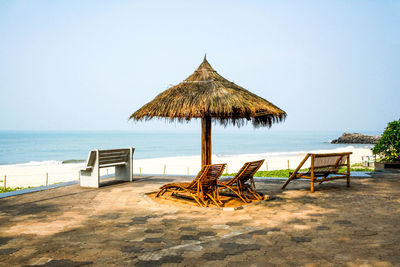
(73, 161)
(356, 138)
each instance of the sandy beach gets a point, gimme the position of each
(35, 174)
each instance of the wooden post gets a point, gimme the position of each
(47, 178)
(140, 169)
(205, 141)
(188, 171)
(226, 169)
(288, 164)
(5, 181)
(312, 174)
(266, 166)
(79, 175)
(164, 168)
(348, 171)
(107, 171)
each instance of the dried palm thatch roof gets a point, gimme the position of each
(206, 93)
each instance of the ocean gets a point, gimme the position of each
(17, 147)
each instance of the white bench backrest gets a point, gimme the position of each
(113, 156)
(108, 156)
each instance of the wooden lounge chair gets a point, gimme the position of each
(243, 182)
(202, 189)
(322, 166)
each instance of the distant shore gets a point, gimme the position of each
(36, 173)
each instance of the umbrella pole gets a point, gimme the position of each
(205, 141)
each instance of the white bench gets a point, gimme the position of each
(121, 159)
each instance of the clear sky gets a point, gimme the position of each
(87, 65)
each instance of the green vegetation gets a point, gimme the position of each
(388, 146)
(285, 173)
(357, 165)
(275, 173)
(9, 189)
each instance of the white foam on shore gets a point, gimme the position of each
(270, 154)
(34, 163)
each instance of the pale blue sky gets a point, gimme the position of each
(87, 65)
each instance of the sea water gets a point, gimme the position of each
(26, 147)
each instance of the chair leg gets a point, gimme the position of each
(255, 194)
(253, 190)
(292, 177)
(215, 202)
(217, 194)
(312, 185)
(237, 193)
(322, 179)
(160, 193)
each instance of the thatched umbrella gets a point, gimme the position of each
(207, 95)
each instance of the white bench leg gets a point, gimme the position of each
(122, 173)
(125, 173)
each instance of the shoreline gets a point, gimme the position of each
(36, 173)
(348, 147)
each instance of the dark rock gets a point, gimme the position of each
(212, 256)
(152, 231)
(4, 240)
(63, 263)
(273, 229)
(73, 161)
(187, 228)
(343, 222)
(8, 251)
(107, 216)
(171, 259)
(322, 227)
(356, 138)
(188, 237)
(153, 240)
(364, 233)
(207, 233)
(148, 263)
(300, 239)
(131, 249)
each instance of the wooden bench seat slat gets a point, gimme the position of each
(106, 161)
(115, 158)
(112, 164)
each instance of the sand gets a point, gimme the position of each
(35, 174)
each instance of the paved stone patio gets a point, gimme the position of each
(118, 225)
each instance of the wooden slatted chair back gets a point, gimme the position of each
(211, 175)
(201, 173)
(328, 163)
(246, 172)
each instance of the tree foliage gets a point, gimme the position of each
(388, 147)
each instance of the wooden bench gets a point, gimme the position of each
(324, 167)
(121, 159)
